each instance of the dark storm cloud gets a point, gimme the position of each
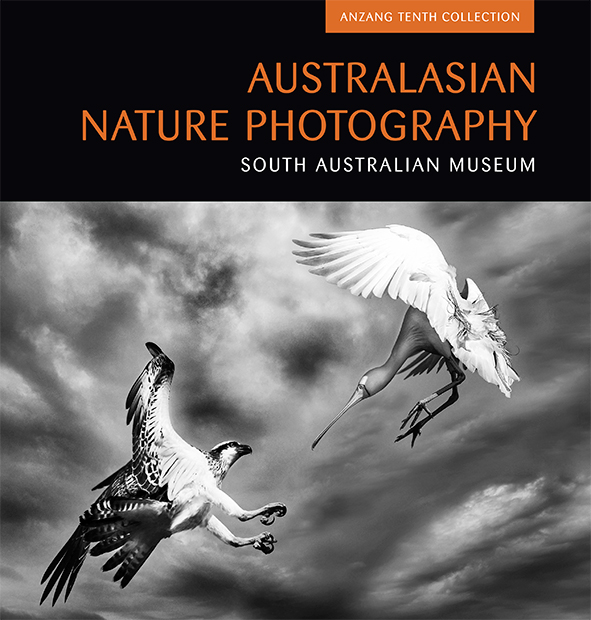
(336, 214)
(198, 273)
(26, 430)
(203, 285)
(473, 217)
(304, 352)
(507, 591)
(21, 509)
(119, 227)
(219, 287)
(12, 614)
(67, 614)
(8, 214)
(212, 408)
(99, 337)
(278, 602)
(201, 273)
(19, 319)
(503, 451)
(207, 585)
(30, 498)
(490, 502)
(201, 402)
(248, 593)
(551, 296)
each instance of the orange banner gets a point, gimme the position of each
(443, 16)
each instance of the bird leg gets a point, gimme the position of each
(263, 542)
(457, 377)
(267, 513)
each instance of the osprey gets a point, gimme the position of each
(168, 486)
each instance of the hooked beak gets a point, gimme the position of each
(358, 395)
(244, 449)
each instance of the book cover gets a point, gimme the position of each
(159, 159)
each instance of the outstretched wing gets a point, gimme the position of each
(402, 261)
(160, 457)
(147, 410)
(407, 264)
(66, 565)
(161, 464)
(131, 527)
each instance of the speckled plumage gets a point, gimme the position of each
(168, 486)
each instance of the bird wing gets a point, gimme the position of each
(162, 463)
(160, 456)
(404, 262)
(408, 265)
(64, 568)
(133, 527)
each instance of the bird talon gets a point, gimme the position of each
(408, 417)
(281, 510)
(265, 543)
(416, 412)
(414, 430)
(273, 510)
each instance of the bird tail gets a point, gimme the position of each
(480, 342)
(132, 527)
(65, 566)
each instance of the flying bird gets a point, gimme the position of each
(167, 487)
(441, 326)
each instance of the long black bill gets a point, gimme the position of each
(359, 394)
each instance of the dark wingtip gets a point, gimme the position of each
(154, 349)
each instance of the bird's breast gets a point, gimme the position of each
(189, 513)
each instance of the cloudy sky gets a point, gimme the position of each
(486, 517)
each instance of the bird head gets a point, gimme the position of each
(225, 454)
(371, 383)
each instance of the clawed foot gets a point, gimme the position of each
(416, 412)
(414, 430)
(415, 427)
(276, 509)
(265, 543)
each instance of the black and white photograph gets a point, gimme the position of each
(295, 310)
(168, 367)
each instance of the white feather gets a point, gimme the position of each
(409, 265)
